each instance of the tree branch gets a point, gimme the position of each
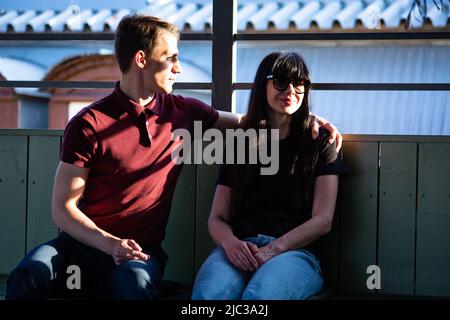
(422, 8)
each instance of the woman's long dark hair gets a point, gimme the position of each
(303, 157)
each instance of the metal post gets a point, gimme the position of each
(224, 54)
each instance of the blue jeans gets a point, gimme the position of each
(292, 275)
(43, 273)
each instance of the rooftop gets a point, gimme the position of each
(197, 15)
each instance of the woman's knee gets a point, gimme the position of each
(301, 291)
(218, 279)
(214, 290)
(254, 294)
(291, 276)
(207, 293)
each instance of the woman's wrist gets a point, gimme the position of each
(226, 241)
(278, 246)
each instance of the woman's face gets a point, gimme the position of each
(285, 96)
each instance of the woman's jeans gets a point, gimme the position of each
(292, 275)
(46, 273)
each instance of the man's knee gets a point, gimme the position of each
(134, 283)
(29, 281)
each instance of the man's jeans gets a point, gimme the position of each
(292, 275)
(44, 273)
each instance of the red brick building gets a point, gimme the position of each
(64, 103)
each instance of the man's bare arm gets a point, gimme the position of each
(70, 182)
(227, 120)
(230, 120)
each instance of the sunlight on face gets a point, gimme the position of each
(286, 102)
(164, 64)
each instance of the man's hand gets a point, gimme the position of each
(126, 249)
(316, 122)
(241, 254)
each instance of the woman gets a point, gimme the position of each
(264, 225)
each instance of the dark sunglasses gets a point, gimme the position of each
(282, 83)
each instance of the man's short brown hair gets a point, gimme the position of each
(138, 32)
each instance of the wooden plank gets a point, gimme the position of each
(13, 176)
(327, 249)
(397, 217)
(43, 157)
(394, 138)
(359, 216)
(347, 137)
(206, 186)
(179, 241)
(31, 132)
(3, 280)
(433, 220)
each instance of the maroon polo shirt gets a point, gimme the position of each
(128, 148)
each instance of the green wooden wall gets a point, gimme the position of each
(359, 215)
(433, 220)
(206, 186)
(180, 238)
(396, 214)
(393, 211)
(396, 217)
(43, 158)
(13, 202)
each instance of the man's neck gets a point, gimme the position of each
(134, 89)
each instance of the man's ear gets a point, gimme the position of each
(140, 59)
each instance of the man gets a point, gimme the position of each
(115, 181)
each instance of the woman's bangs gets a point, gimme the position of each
(289, 66)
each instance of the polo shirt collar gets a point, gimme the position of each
(134, 108)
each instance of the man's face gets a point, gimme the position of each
(163, 64)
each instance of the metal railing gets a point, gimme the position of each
(224, 38)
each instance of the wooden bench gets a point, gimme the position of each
(393, 211)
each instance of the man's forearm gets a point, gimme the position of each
(228, 120)
(78, 225)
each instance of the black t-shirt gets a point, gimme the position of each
(270, 210)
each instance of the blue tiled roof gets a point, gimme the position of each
(252, 15)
